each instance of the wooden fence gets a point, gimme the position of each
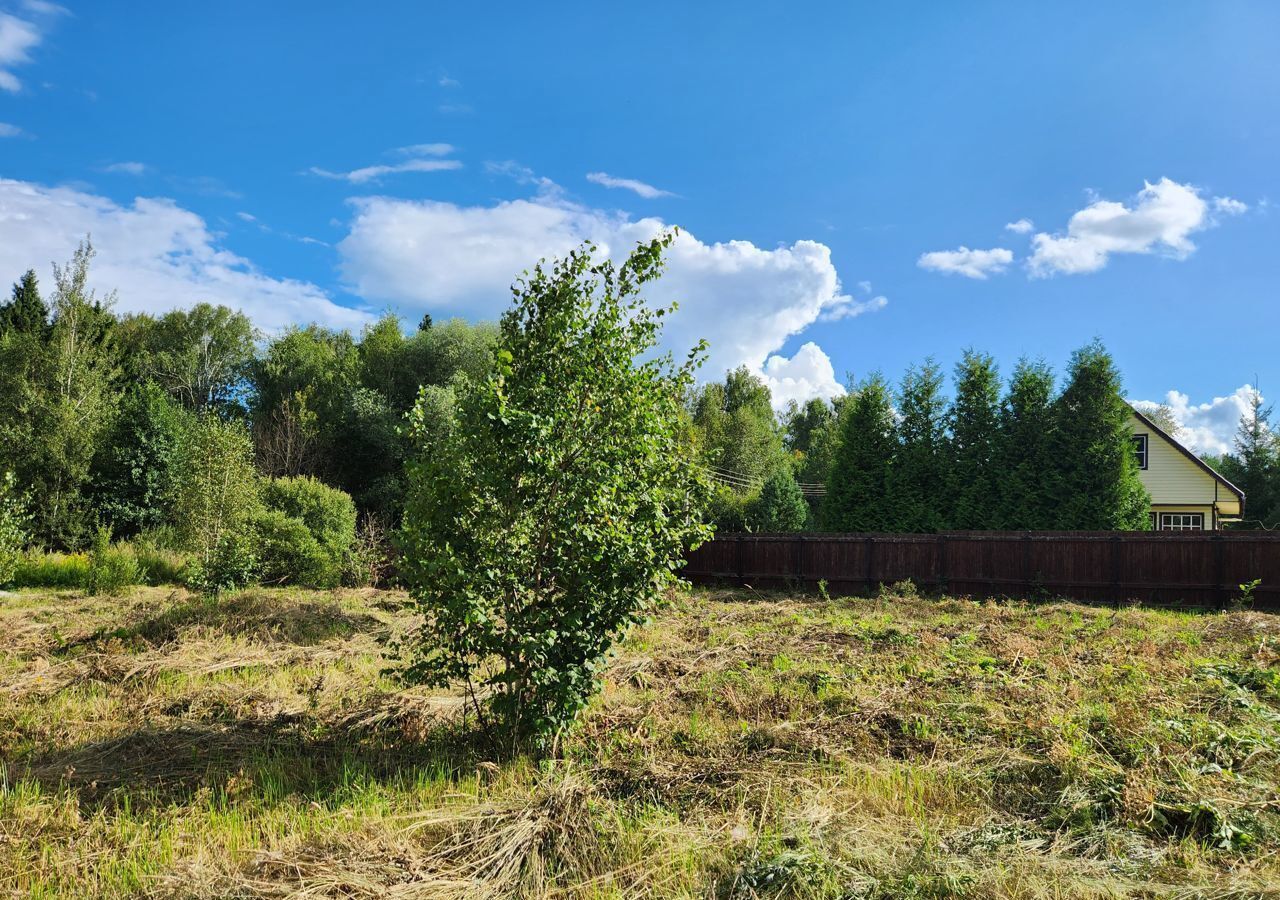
(1196, 569)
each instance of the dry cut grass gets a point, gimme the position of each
(159, 745)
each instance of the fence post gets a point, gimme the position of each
(942, 561)
(871, 555)
(1116, 568)
(738, 547)
(1223, 591)
(1026, 563)
(799, 545)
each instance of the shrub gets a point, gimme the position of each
(112, 567)
(369, 561)
(232, 564)
(13, 528)
(52, 570)
(326, 514)
(554, 511)
(288, 552)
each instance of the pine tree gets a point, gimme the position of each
(1027, 450)
(1255, 464)
(858, 481)
(917, 487)
(1101, 490)
(974, 419)
(26, 312)
(780, 506)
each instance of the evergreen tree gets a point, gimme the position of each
(780, 506)
(26, 312)
(1254, 467)
(973, 482)
(859, 477)
(917, 484)
(1096, 463)
(1027, 451)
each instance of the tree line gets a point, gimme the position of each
(1026, 454)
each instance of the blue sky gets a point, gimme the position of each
(844, 173)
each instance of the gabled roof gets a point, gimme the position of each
(1189, 455)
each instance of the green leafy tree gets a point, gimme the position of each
(216, 493)
(555, 510)
(134, 467)
(1028, 453)
(859, 478)
(61, 395)
(202, 355)
(26, 312)
(780, 506)
(973, 489)
(14, 532)
(1096, 463)
(917, 482)
(802, 423)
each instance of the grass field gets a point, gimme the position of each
(744, 746)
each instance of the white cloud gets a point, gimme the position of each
(806, 375)
(45, 8)
(447, 82)
(1229, 206)
(7, 130)
(648, 191)
(969, 263)
(1022, 226)
(126, 168)
(17, 37)
(848, 307)
(156, 254)
(1162, 218)
(372, 173)
(1206, 427)
(432, 255)
(426, 150)
(246, 217)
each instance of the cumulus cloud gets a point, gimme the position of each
(648, 191)
(1161, 218)
(969, 263)
(156, 254)
(420, 158)
(1208, 427)
(1022, 226)
(806, 375)
(746, 300)
(17, 38)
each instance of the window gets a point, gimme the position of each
(1140, 449)
(1182, 521)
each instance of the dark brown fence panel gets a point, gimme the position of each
(1187, 569)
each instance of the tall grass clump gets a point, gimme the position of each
(112, 567)
(38, 569)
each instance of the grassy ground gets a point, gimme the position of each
(775, 747)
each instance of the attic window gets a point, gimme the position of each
(1140, 449)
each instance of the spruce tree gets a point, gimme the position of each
(1098, 469)
(1027, 450)
(972, 478)
(916, 486)
(26, 312)
(1255, 464)
(780, 506)
(859, 477)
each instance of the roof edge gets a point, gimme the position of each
(1187, 453)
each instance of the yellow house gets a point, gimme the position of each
(1186, 493)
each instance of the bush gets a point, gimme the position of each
(52, 570)
(369, 562)
(288, 553)
(780, 506)
(328, 513)
(306, 532)
(13, 528)
(112, 567)
(232, 564)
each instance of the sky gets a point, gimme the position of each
(858, 186)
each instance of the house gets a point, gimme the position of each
(1186, 493)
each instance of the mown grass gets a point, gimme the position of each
(162, 745)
